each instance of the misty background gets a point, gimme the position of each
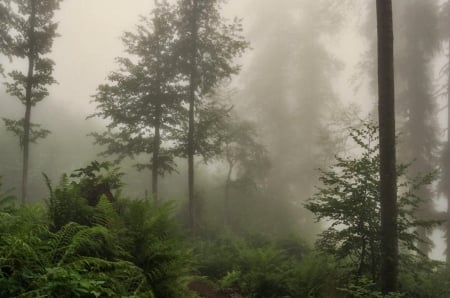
(306, 79)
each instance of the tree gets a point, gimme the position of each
(349, 198)
(34, 33)
(445, 157)
(288, 90)
(417, 45)
(142, 100)
(208, 45)
(242, 153)
(5, 24)
(447, 8)
(386, 120)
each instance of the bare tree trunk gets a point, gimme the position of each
(226, 206)
(388, 176)
(448, 144)
(158, 116)
(156, 149)
(191, 132)
(28, 103)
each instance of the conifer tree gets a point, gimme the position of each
(447, 14)
(207, 47)
(444, 186)
(142, 100)
(34, 30)
(386, 120)
(417, 44)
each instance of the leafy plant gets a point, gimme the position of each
(77, 196)
(349, 199)
(76, 261)
(154, 242)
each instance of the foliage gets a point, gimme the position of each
(363, 287)
(422, 277)
(259, 267)
(154, 242)
(76, 261)
(31, 88)
(17, 128)
(115, 248)
(6, 199)
(5, 24)
(350, 199)
(76, 196)
(217, 43)
(142, 99)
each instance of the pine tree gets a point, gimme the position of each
(34, 30)
(142, 101)
(388, 175)
(207, 48)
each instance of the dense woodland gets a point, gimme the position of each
(254, 148)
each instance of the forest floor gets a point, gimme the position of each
(206, 290)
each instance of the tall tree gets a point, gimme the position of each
(445, 91)
(447, 14)
(142, 101)
(34, 30)
(388, 175)
(416, 45)
(288, 90)
(208, 47)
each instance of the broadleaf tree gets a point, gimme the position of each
(349, 199)
(242, 152)
(34, 31)
(142, 99)
(208, 45)
(5, 24)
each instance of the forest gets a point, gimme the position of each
(225, 148)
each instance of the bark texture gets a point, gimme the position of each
(388, 177)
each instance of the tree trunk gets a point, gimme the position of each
(156, 148)
(388, 176)
(28, 103)
(158, 116)
(226, 217)
(448, 142)
(191, 132)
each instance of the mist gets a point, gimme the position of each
(295, 88)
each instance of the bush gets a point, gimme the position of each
(75, 248)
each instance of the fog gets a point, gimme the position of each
(307, 77)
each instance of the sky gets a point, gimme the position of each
(89, 41)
